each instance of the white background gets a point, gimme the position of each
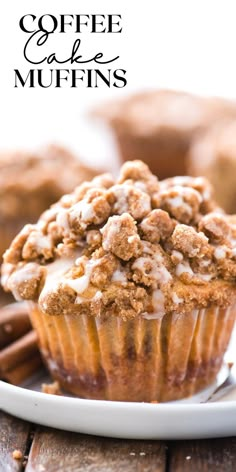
(180, 44)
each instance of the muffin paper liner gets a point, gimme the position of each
(165, 152)
(160, 359)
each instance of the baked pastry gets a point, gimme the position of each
(132, 286)
(158, 126)
(214, 156)
(30, 183)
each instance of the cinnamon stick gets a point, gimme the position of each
(14, 323)
(23, 371)
(18, 352)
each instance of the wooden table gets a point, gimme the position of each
(50, 450)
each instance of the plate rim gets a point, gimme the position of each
(110, 404)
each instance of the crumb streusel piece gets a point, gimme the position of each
(17, 455)
(51, 388)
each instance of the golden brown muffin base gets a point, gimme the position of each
(136, 360)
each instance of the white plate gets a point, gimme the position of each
(185, 419)
(176, 420)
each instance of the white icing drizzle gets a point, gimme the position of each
(178, 255)
(97, 296)
(62, 219)
(179, 200)
(113, 231)
(132, 238)
(220, 252)
(56, 275)
(80, 284)
(158, 301)
(158, 270)
(176, 202)
(83, 210)
(122, 193)
(177, 300)
(205, 277)
(119, 276)
(146, 247)
(147, 226)
(43, 243)
(183, 267)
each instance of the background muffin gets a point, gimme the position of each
(30, 182)
(214, 156)
(132, 285)
(158, 126)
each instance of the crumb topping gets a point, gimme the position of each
(51, 388)
(137, 246)
(120, 237)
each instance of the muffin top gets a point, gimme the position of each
(29, 182)
(135, 246)
(145, 113)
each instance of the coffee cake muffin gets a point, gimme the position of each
(131, 285)
(158, 126)
(30, 183)
(214, 156)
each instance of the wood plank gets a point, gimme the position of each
(206, 455)
(14, 434)
(57, 451)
